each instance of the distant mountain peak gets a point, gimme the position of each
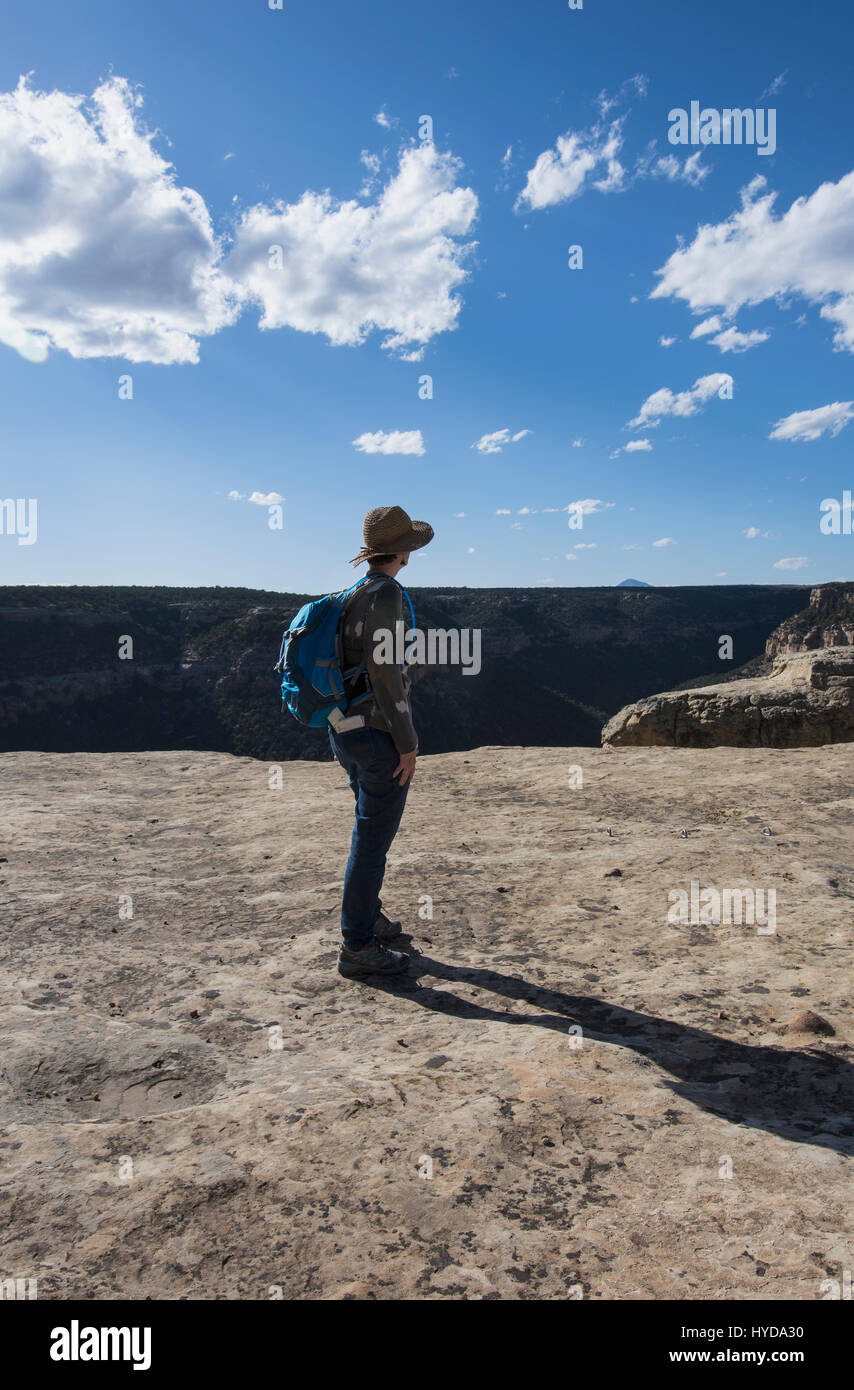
(633, 584)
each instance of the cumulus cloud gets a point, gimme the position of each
(729, 339)
(675, 170)
(666, 342)
(755, 255)
(733, 340)
(665, 540)
(494, 443)
(667, 402)
(103, 253)
(345, 269)
(591, 157)
(560, 173)
(395, 442)
(711, 325)
(634, 446)
(811, 424)
(753, 533)
(589, 506)
(265, 499)
(259, 499)
(793, 562)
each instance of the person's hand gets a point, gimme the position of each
(406, 767)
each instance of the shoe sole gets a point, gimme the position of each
(355, 972)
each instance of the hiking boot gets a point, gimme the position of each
(385, 929)
(373, 959)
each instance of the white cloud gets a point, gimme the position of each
(666, 342)
(265, 499)
(105, 254)
(712, 325)
(570, 557)
(667, 166)
(563, 172)
(348, 269)
(729, 339)
(459, 514)
(754, 256)
(587, 506)
(634, 446)
(471, 550)
(259, 499)
(585, 545)
(733, 340)
(776, 86)
(507, 157)
(753, 533)
(395, 442)
(560, 173)
(795, 562)
(665, 540)
(385, 120)
(577, 443)
(665, 402)
(811, 424)
(503, 511)
(494, 443)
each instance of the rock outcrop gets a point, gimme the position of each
(828, 621)
(806, 701)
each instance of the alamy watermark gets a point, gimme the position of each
(730, 126)
(837, 516)
(437, 646)
(713, 907)
(19, 516)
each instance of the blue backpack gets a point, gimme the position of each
(311, 661)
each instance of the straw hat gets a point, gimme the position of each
(390, 530)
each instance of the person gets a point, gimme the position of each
(379, 754)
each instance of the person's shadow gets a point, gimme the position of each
(807, 1097)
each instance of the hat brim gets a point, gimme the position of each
(420, 534)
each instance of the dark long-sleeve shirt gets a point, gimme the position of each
(379, 603)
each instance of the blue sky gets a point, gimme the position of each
(154, 155)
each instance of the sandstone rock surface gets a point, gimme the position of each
(807, 700)
(569, 1095)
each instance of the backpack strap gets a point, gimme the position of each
(411, 610)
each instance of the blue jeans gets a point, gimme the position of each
(369, 757)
